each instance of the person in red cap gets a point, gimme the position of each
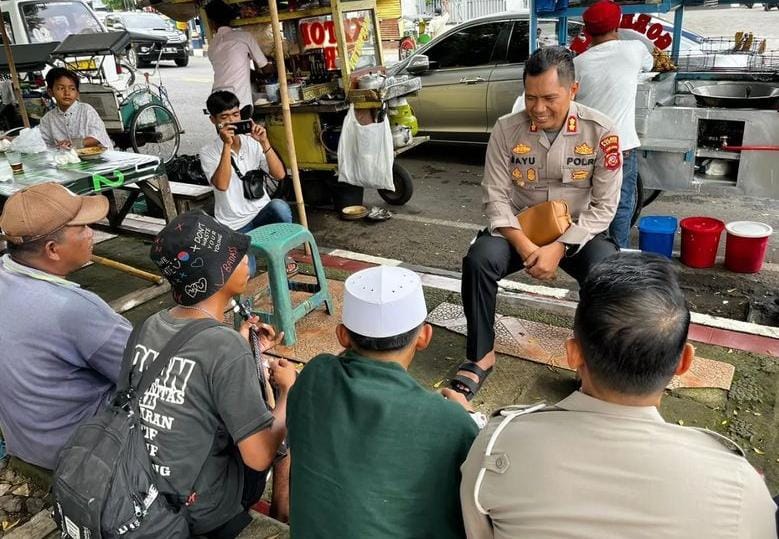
(608, 79)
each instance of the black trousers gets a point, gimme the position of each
(489, 259)
(253, 487)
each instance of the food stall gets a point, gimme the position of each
(709, 121)
(331, 58)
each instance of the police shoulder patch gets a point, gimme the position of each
(612, 157)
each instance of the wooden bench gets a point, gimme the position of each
(186, 196)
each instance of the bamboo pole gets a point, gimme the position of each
(135, 272)
(281, 70)
(14, 75)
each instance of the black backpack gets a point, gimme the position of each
(104, 484)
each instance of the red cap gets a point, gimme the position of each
(602, 17)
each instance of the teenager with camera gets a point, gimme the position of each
(237, 164)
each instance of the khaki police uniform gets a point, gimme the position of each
(583, 166)
(587, 468)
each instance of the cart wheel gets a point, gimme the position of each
(404, 187)
(155, 129)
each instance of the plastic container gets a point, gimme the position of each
(700, 241)
(746, 245)
(656, 234)
(272, 89)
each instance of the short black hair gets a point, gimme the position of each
(56, 73)
(220, 101)
(632, 322)
(22, 251)
(383, 344)
(547, 58)
(220, 13)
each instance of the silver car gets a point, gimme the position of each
(472, 74)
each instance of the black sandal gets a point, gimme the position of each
(465, 385)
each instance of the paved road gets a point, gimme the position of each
(435, 228)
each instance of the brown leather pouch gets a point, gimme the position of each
(545, 222)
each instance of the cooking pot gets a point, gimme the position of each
(372, 81)
(735, 95)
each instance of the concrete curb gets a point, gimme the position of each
(707, 329)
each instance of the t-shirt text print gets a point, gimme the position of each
(169, 387)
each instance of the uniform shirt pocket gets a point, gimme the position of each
(578, 175)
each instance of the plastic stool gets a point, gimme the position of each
(273, 242)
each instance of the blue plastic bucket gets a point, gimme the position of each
(656, 234)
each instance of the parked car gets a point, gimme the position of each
(31, 21)
(768, 4)
(143, 51)
(472, 74)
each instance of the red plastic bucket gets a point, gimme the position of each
(746, 245)
(700, 241)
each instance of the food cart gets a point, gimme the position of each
(332, 53)
(710, 123)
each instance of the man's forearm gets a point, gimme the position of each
(518, 241)
(275, 166)
(279, 427)
(221, 177)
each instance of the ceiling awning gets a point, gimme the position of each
(176, 10)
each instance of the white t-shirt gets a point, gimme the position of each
(231, 53)
(231, 208)
(608, 80)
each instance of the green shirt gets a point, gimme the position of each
(375, 455)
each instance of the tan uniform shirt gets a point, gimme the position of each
(583, 167)
(592, 469)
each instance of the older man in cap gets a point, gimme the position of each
(375, 454)
(61, 346)
(608, 79)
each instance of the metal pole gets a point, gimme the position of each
(533, 42)
(12, 68)
(678, 19)
(281, 70)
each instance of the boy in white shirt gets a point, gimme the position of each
(247, 152)
(71, 120)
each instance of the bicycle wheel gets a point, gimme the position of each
(127, 74)
(154, 130)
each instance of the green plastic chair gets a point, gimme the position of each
(273, 242)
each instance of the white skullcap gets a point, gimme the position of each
(384, 301)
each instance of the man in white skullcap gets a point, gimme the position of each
(375, 453)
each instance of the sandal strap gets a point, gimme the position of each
(471, 366)
(466, 386)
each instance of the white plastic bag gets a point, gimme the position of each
(365, 153)
(29, 141)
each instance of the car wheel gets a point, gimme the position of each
(404, 187)
(182, 62)
(132, 57)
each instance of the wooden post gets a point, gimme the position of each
(14, 75)
(281, 70)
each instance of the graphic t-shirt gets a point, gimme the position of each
(205, 401)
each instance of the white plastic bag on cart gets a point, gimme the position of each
(29, 141)
(365, 153)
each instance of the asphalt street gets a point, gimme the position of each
(436, 226)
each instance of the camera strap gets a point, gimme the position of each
(235, 166)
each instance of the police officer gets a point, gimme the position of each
(603, 462)
(555, 149)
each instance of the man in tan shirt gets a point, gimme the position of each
(554, 150)
(603, 462)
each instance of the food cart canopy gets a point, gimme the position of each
(103, 43)
(181, 12)
(32, 57)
